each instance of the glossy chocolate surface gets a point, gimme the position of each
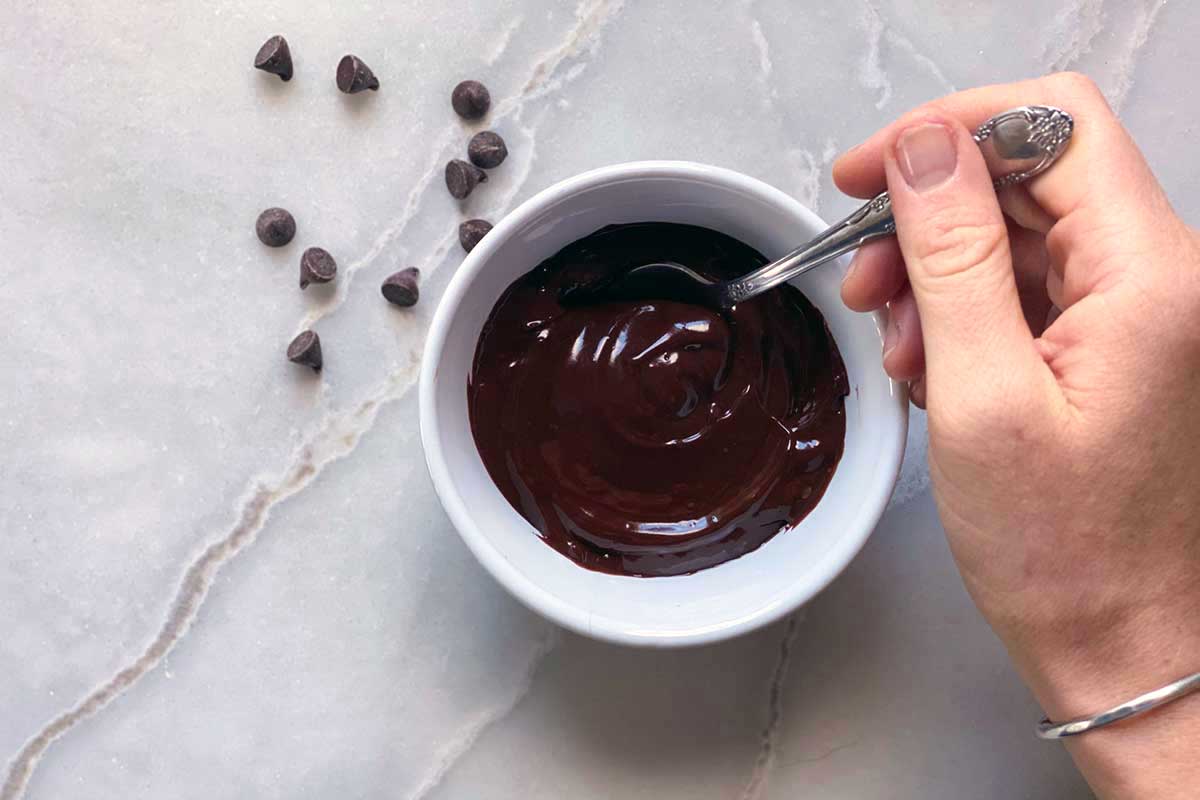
(656, 437)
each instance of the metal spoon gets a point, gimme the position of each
(1017, 145)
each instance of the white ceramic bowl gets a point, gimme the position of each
(717, 603)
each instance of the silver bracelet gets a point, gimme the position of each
(1138, 705)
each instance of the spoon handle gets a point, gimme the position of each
(1030, 138)
(872, 221)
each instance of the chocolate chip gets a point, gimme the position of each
(486, 149)
(306, 349)
(401, 288)
(461, 177)
(275, 227)
(471, 99)
(353, 76)
(471, 231)
(275, 57)
(316, 266)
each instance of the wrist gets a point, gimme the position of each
(1151, 755)
(1087, 669)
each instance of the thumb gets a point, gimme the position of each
(955, 246)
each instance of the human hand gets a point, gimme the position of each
(1054, 336)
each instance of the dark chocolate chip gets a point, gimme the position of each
(471, 231)
(275, 57)
(461, 177)
(486, 149)
(401, 288)
(316, 266)
(306, 349)
(353, 76)
(275, 227)
(471, 99)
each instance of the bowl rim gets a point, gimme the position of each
(528, 591)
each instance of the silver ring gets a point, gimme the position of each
(1138, 705)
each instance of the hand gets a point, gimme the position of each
(1053, 333)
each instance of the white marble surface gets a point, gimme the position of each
(220, 577)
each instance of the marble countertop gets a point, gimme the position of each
(221, 577)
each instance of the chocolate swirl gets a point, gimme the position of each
(654, 437)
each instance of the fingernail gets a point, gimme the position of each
(850, 270)
(891, 336)
(926, 156)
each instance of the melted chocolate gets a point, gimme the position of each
(654, 437)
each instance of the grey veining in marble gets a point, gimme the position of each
(221, 576)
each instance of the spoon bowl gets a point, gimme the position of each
(660, 281)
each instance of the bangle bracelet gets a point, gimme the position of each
(1138, 705)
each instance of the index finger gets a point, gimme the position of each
(1075, 180)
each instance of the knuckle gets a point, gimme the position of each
(1080, 94)
(951, 244)
(1191, 266)
(1181, 290)
(1075, 84)
(1083, 244)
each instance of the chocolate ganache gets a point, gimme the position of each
(654, 437)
